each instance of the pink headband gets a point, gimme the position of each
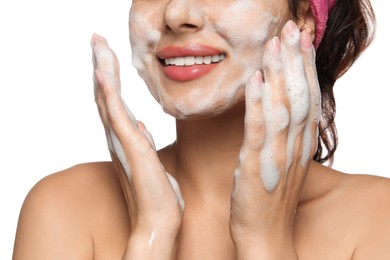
(321, 9)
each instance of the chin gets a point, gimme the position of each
(201, 111)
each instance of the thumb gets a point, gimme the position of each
(148, 135)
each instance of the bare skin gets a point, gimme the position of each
(340, 216)
(129, 209)
(82, 212)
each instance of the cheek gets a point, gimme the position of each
(250, 28)
(253, 25)
(144, 36)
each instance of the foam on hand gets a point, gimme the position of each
(298, 93)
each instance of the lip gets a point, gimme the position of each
(188, 50)
(187, 73)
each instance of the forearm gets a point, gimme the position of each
(150, 246)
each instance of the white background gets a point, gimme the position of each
(49, 120)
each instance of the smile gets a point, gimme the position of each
(192, 60)
(189, 62)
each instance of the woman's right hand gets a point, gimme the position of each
(153, 196)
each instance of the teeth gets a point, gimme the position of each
(207, 60)
(215, 58)
(191, 60)
(188, 61)
(179, 61)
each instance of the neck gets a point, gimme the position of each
(204, 156)
(205, 152)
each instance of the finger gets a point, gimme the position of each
(276, 113)
(120, 164)
(104, 59)
(132, 147)
(297, 90)
(277, 104)
(97, 90)
(294, 73)
(148, 135)
(105, 62)
(108, 83)
(150, 185)
(119, 121)
(247, 173)
(122, 127)
(254, 124)
(107, 76)
(112, 140)
(100, 102)
(118, 115)
(311, 128)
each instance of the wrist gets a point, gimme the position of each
(151, 244)
(270, 248)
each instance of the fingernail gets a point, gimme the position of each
(276, 43)
(95, 38)
(306, 42)
(291, 26)
(259, 76)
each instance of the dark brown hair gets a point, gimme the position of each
(350, 30)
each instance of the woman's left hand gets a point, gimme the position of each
(281, 131)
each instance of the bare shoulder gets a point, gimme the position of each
(347, 218)
(62, 212)
(367, 199)
(368, 194)
(367, 188)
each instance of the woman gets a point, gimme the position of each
(240, 78)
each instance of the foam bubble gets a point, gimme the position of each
(293, 37)
(176, 189)
(141, 27)
(307, 143)
(281, 119)
(270, 172)
(118, 149)
(245, 52)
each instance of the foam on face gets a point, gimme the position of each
(142, 36)
(249, 30)
(242, 37)
(245, 52)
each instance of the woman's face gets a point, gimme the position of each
(211, 48)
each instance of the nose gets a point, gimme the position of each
(183, 16)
